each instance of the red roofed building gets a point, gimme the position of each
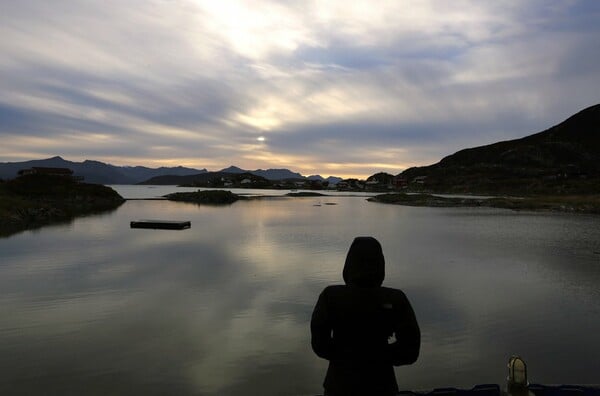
(39, 170)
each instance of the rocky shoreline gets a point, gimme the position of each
(569, 204)
(208, 197)
(32, 201)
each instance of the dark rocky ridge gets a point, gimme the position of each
(564, 159)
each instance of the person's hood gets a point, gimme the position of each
(365, 265)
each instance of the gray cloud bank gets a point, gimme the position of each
(333, 88)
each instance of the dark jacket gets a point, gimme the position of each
(351, 324)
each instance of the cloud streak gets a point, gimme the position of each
(350, 89)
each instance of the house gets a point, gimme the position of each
(38, 170)
(419, 179)
(400, 182)
(342, 185)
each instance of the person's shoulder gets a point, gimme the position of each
(395, 294)
(391, 290)
(333, 289)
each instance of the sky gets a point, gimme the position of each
(320, 87)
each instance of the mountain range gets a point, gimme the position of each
(96, 171)
(281, 174)
(269, 174)
(266, 175)
(102, 173)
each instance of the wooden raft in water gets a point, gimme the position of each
(161, 224)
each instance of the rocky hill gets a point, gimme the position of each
(564, 159)
(34, 200)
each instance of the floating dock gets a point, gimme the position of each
(161, 224)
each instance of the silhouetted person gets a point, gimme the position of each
(354, 326)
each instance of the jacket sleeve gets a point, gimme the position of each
(408, 335)
(320, 329)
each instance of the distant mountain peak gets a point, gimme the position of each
(277, 174)
(233, 169)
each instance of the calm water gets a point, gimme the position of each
(94, 307)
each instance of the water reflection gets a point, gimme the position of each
(7, 230)
(224, 307)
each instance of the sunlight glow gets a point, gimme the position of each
(256, 30)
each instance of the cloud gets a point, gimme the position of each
(196, 82)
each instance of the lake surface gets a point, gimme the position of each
(223, 308)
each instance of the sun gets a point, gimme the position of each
(260, 138)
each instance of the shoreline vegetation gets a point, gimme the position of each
(553, 203)
(32, 201)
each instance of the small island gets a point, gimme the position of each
(225, 197)
(33, 200)
(209, 197)
(305, 194)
